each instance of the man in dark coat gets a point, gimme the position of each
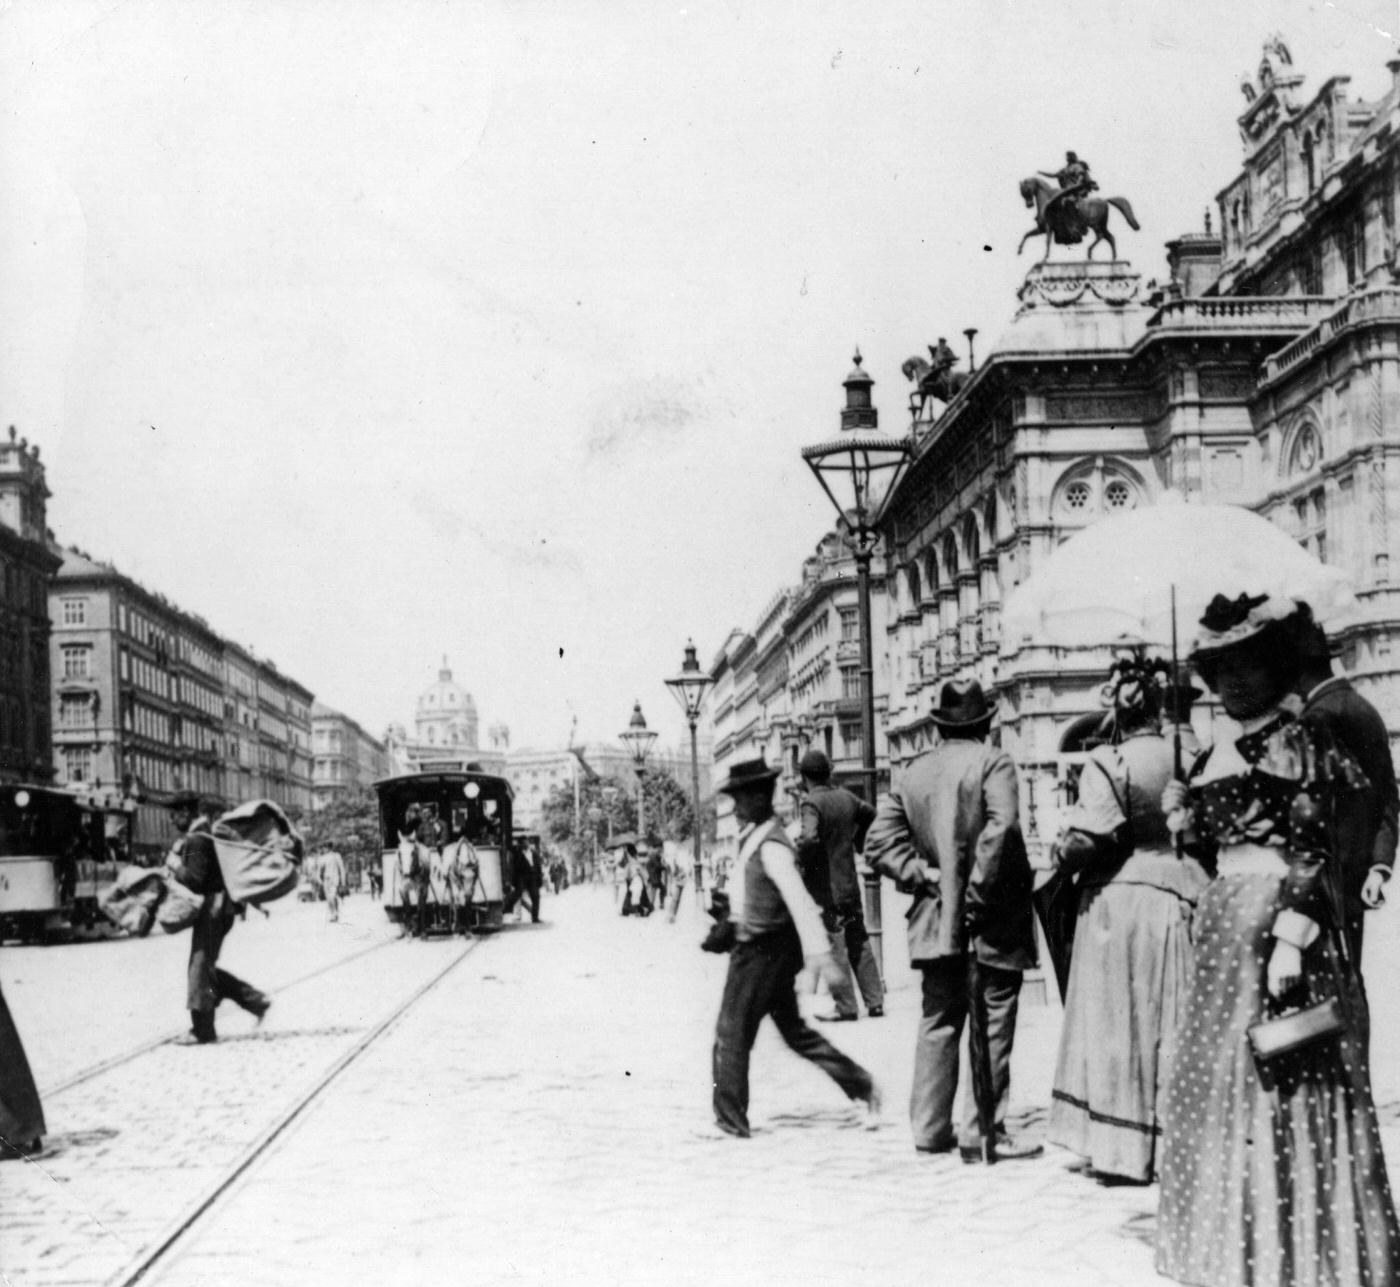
(196, 865)
(834, 823)
(949, 834)
(1367, 822)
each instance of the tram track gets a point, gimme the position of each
(136, 1052)
(151, 1257)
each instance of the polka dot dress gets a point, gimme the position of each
(1276, 1181)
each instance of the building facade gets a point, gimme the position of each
(346, 761)
(1264, 373)
(26, 565)
(148, 700)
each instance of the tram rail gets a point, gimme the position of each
(151, 1258)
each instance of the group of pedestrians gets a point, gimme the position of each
(1216, 1029)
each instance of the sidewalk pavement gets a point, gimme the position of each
(543, 1115)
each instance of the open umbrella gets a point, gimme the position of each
(1114, 580)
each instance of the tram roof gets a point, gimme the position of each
(443, 780)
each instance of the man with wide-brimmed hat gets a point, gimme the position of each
(777, 926)
(834, 822)
(948, 833)
(195, 864)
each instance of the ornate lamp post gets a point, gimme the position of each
(638, 739)
(688, 688)
(848, 467)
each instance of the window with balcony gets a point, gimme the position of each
(850, 739)
(850, 681)
(850, 625)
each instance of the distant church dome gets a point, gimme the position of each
(446, 714)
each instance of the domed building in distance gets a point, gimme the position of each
(445, 732)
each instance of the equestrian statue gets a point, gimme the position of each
(1064, 210)
(935, 379)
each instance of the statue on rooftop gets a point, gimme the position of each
(1065, 212)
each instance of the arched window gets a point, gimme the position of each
(989, 520)
(912, 577)
(931, 572)
(972, 541)
(950, 557)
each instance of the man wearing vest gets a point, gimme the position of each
(196, 865)
(949, 834)
(834, 823)
(777, 924)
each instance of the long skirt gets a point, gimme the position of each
(21, 1116)
(1129, 979)
(1277, 1182)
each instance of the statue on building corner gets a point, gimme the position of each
(1065, 212)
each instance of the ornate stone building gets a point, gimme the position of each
(445, 732)
(26, 564)
(1265, 373)
(346, 760)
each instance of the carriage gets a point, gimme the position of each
(58, 852)
(446, 838)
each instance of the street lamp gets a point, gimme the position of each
(688, 688)
(638, 739)
(847, 467)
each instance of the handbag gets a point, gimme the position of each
(1295, 1029)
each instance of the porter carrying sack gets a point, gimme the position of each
(259, 852)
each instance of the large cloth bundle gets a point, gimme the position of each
(259, 852)
(142, 897)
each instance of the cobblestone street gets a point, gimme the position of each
(541, 1115)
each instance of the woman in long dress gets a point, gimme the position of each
(1272, 1177)
(1130, 970)
(21, 1115)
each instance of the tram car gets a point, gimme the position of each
(58, 853)
(446, 840)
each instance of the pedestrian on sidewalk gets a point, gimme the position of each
(948, 833)
(196, 866)
(1130, 969)
(655, 866)
(1368, 821)
(1272, 1167)
(333, 881)
(833, 824)
(675, 882)
(778, 928)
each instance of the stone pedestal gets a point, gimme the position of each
(1062, 283)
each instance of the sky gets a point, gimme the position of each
(376, 332)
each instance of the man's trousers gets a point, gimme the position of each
(207, 984)
(855, 961)
(760, 982)
(945, 1006)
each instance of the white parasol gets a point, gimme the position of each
(1114, 580)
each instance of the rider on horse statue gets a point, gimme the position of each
(1063, 214)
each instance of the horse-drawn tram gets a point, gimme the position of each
(58, 852)
(446, 838)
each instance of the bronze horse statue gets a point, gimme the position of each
(1068, 225)
(931, 382)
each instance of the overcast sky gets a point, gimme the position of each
(378, 331)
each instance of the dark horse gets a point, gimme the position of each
(1093, 211)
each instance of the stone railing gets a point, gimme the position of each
(1382, 304)
(1246, 312)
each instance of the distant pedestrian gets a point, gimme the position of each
(196, 865)
(21, 1114)
(833, 826)
(675, 883)
(948, 833)
(332, 869)
(375, 870)
(525, 880)
(777, 926)
(655, 867)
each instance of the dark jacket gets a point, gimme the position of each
(949, 833)
(199, 868)
(834, 823)
(1365, 824)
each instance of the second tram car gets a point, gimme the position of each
(446, 862)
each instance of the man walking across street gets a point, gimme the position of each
(833, 827)
(776, 925)
(948, 833)
(332, 872)
(1366, 822)
(196, 865)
